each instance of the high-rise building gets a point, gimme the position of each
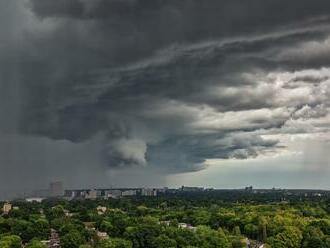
(113, 193)
(128, 192)
(56, 189)
(192, 189)
(148, 192)
(92, 194)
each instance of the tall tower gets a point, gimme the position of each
(56, 189)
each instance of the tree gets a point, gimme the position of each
(163, 241)
(313, 237)
(41, 229)
(327, 242)
(114, 243)
(323, 225)
(72, 239)
(4, 225)
(237, 231)
(314, 242)
(115, 223)
(143, 235)
(121, 243)
(291, 237)
(106, 226)
(11, 241)
(251, 230)
(35, 244)
(85, 246)
(55, 212)
(183, 237)
(23, 229)
(263, 228)
(209, 238)
(239, 243)
(201, 217)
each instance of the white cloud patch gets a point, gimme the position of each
(128, 152)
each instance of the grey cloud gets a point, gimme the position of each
(186, 153)
(164, 85)
(126, 152)
(311, 79)
(308, 112)
(129, 30)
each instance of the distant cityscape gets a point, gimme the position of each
(57, 190)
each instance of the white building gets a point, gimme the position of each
(102, 235)
(182, 225)
(148, 192)
(113, 193)
(6, 208)
(101, 210)
(92, 195)
(128, 193)
(34, 199)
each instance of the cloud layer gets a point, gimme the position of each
(165, 85)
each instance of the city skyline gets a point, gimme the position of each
(133, 93)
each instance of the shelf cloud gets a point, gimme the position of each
(161, 85)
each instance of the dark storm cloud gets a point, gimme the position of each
(165, 84)
(138, 28)
(185, 153)
(179, 73)
(207, 16)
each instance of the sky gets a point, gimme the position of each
(214, 93)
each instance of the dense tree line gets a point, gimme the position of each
(168, 222)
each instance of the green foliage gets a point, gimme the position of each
(85, 246)
(239, 243)
(35, 244)
(143, 235)
(115, 223)
(55, 212)
(251, 230)
(154, 223)
(41, 229)
(11, 241)
(201, 217)
(162, 241)
(73, 239)
(114, 243)
(237, 231)
(291, 237)
(210, 238)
